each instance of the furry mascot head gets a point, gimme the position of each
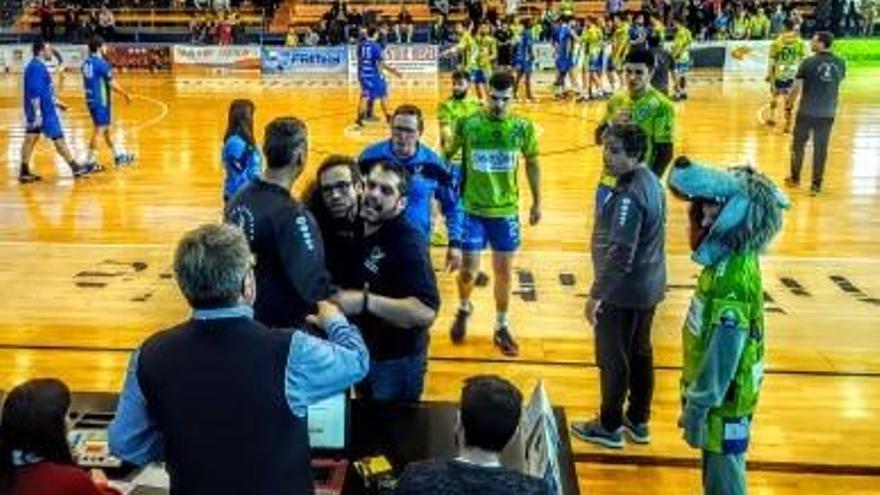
(731, 211)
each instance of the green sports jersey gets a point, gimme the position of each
(786, 53)
(681, 45)
(491, 150)
(740, 27)
(591, 41)
(759, 26)
(487, 50)
(467, 51)
(729, 298)
(451, 111)
(620, 43)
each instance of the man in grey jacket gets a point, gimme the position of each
(629, 266)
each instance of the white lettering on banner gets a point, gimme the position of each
(408, 59)
(490, 161)
(14, 58)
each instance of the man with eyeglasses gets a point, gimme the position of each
(644, 106)
(430, 176)
(391, 292)
(334, 204)
(491, 143)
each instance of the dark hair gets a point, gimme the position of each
(640, 57)
(33, 422)
(400, 171)
(527, 22)
(336, 160)
(634, 139)
(38, 46)
(409, 109)
(490, 410)
(371, 30)
(95, 44)
(501, 81)
(240, 121)
(826, 38)
(461, 75)
(285, 141)
(788, 24)
(654, 40)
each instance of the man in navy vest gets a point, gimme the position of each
(220, 398)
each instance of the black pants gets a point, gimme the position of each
(626, 363)
(821, 129)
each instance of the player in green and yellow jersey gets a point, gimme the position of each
(759, 27)
(786, 54)
(592, 46)
(487, 53)
(492, 142)
(681, 54)
(466, 48)
(619, 48)
(644, 106)
(455, 108)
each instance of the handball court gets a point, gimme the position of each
(85, 267)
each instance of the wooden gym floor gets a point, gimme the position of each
(84, 267)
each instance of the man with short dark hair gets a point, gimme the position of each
(220, 398)
(818, 78)
(629, 267)
(392, 294)
(491, 143)
(290, 270)
(99, 83)
(488, 417)
(41, 116)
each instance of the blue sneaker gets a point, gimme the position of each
(638, 433)
(123, 159)
(592, 431)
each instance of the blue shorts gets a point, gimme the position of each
(564, 65)
(478, 76)
(502, 234)
(100, 115)
(51, 128)
(524, 67)
(374, 89)
(783, 86)
(597, 63)
(682, 67)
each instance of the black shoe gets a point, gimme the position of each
(27, 178)
(815, 190)
(459, 326)
(592, 431)
(81, 170)
(504, 341)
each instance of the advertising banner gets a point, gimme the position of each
(216, 57)
(306, 60)
(133, 56)
(747, 58)
(13, 58)
(418, 59)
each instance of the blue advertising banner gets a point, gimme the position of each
(305, 60)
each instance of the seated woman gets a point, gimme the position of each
(35, 458)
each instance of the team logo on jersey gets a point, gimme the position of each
(826, 72)
(372, 262)
(490, 161)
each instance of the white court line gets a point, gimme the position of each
(154, 120)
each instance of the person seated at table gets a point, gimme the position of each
(35, 458)
(488, 418)
(222, 399)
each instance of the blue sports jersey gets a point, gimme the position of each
(430, 178)
(242, 163)
(524, 53)
(97, 74)
(370, 56)
(563, 39)
(39, 93)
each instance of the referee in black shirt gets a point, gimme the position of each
(290, 271)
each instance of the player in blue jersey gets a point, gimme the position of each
(524, 59)
(564, 42)
(371, 64)
(41, 116)
(430, 177)
(99, 82)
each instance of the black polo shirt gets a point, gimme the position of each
(290, 270)
(396, 263)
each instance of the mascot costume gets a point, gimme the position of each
(733, 216)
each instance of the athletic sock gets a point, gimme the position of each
(501, 320)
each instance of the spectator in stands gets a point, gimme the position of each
(239, 35)
(393, 294)
(335, 203)
(354, 23)
(35, 457)
(241, 156)
(870, 9)
(777, 20)
(739, 26)
(489, 415)
(291, 39)
(404, 28)
(475, 11)
(196, 31)
(759, 28)
(224, 30)
(290, 272)
(310, 37)
(492, 14)
(106, 24)
(441, 30)
(46, 13)
(222, 399)
(71, 22)
(386, 35)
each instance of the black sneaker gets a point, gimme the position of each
(83, 169)
(638, 433)
(459, 327)
(28, 177)
(504, 341)
(592, 431)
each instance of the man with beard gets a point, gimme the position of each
(429, 176)
(455, 108)
(392, 293)
(333, 202)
